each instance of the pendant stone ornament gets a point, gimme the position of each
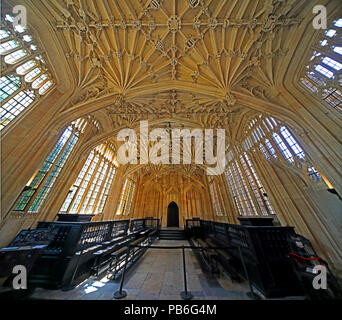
(174, 24)
(194, 3)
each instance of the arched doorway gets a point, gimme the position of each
(172, 215)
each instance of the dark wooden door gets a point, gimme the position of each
(172, 215)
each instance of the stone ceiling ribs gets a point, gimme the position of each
(210, 62)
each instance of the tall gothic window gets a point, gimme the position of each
(240, 191)
(249, 195)
(323, 72)
(282, 147)
(126, 198)
(25, 76)
(256, 185)
(89, 192)
(39, 186)
(291, 141)
(276, 140)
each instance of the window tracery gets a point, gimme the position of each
(25, 75)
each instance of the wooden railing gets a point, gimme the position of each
(77, 248)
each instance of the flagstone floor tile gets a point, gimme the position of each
(157, 275)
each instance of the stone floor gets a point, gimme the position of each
(158, 275)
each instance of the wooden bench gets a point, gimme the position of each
(209, 255)
(224, 258)
(104, 257)
(153, 234)
(78, 249)
(136, 243)
(118, 258)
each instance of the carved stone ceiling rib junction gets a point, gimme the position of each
(180, 62)
(133, 47)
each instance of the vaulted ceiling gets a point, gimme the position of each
(171, 56)
(212, 63)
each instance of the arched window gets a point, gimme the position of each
(39, 186)
(264, 151)
(322, 74)
(260, 193)
(9, 85)
(270, 148)
(21, 52)
(275, 136)
(240, 192)
(89, 192)
(14, 106)
(297, 150)
(282, 147)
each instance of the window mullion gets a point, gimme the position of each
(256, 189)
(334, 55)
(47, 174)
(233, 192)
(13, 94)
(266, 199)
(276, 148)
(9, 38)
(89, 193)
(85, 193)
(130, 199)
(9, 68)
(101, 160)
(247, 190)
(240, 190)
(130, 195)
(105, 187)
(248, 186)
(101, 187)
(254, 177)
(294, 156)
(237, 197)
(81, 182)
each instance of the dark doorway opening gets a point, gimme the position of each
(173, 215)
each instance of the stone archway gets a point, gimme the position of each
(173, 215)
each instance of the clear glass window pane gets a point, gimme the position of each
(338, 50)
(25, 67)
(8, 85)
(327, 73)
(45, 87)
(297, 150)
(32, 74)
(338, 23)
(15, 56)
(19, 28)
(282, 147)
(7, 46)
(14, 106)
(330, 33)
(332, 63)
(4, 34)
(36, 83)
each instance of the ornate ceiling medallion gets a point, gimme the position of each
(159, 45)
(194, 3)
(155, 4)
(174, 24)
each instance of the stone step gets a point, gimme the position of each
(172, 234)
